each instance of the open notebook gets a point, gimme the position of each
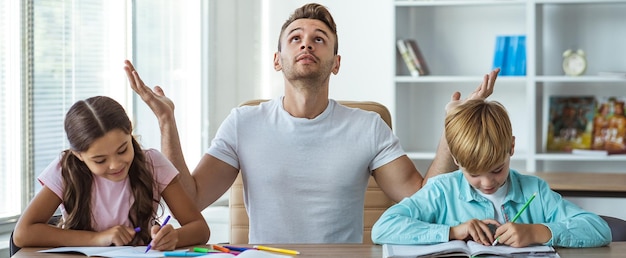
(138, 251)
(462, 248)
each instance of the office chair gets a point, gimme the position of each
(54, 220)
(618, 227)
(376, 202)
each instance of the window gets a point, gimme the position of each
(78, 52)
(73, 49)
(168, 35)
(10, 101)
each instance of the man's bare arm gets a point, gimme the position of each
(212, 177)
(398, 178)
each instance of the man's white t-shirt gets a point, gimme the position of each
(305, 179)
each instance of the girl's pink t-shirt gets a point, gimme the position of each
(111, 201)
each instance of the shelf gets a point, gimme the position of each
(461, 79)
(457, 39)
(576, 157)
(577, 1)
(431, 155)
(588, 78)
(457, 3)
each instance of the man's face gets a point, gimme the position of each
(307, 51)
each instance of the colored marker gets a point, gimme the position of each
(164, 223)
(182, 254)
(201, 250)
(518, 214)
(205, 250)
(274, 249)
(220, 248)
(238, 248)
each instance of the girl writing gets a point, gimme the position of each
(108, 189)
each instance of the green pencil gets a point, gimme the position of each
(519, 213)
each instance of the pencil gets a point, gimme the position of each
(518, 214)
(274, 249)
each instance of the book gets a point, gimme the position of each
(570, 123)
(609, 125)
(499, 54)
(108, 251)
(465, 249)
(510, 55)
(416, 56)
(406, 57)
(520, 57)
(138, 251)
(597, 152)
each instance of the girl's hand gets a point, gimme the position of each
(474, 229)
(118, 236)
(164, 238)
(521, 235)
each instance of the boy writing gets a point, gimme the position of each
(478, 201)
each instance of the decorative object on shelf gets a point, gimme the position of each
(609, 125)
(510, 55)
(574, 62)
(570, 122)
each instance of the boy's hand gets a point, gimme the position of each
(521, 235)
(474, 229)
(164, 238)
(117, 235)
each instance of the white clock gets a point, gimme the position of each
(574, 62)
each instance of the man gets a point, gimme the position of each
(304, 158)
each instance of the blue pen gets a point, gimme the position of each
(182, 254)
(237, 248)
(164, 223)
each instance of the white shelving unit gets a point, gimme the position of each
(457, 39)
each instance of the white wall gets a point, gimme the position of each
(245, 38)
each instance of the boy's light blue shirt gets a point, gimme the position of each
(449, 200)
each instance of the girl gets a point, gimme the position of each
(108, 189)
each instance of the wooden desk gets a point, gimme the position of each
(585, 184)
(615, 249)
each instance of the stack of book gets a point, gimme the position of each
(510, 55)
(412, 57)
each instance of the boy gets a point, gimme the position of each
(478, 201)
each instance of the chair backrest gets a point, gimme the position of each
(618, 228)
(376, 202)
(12, 247)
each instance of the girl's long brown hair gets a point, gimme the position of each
(86, 121)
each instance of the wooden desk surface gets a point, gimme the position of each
(615, 249)
(585, 184)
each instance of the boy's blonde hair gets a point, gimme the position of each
(479, 135)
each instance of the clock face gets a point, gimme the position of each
(574, 64)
